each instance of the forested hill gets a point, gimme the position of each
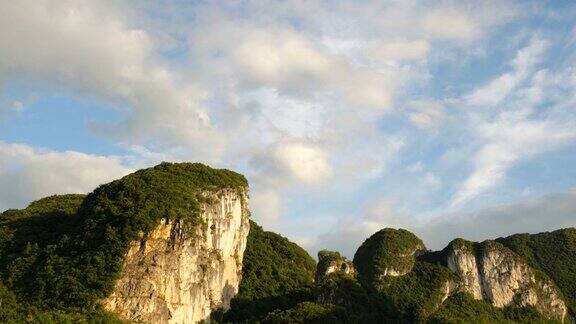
(397, 280)
(62, 255)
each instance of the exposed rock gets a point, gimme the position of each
(180, 274)
(461, 258)
(492, 272)
(330, 262)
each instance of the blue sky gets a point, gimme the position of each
(345, 116)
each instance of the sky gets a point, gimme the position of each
(447, 118)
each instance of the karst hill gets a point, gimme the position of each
(174, 244)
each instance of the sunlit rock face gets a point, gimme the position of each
(491, 272)
(180, 274)
(461, 258)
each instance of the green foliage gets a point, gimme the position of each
(406, 299)
(414, 296)
(325, 259)
(554, 253)
(64, 253)
(12, 311)
(463, 308)
(276, 274)
(386, 249)
(527, 314)
(307, 312)
(360, 304)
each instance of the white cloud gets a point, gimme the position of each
(281, 58)
(453, 21)
(523, 64)
(433, 181)
(266, 205)
(520, 129)
(426, 114)
(17, 106)
(306, 163)
(510, 139)
(290, 62)
(451, 24)
(415, 167)
(399, 50)
(252, 85)
(348, 233)
(27, 174)
(533, 216)
(88, 48)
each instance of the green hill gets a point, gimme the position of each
(277, 274)
(63, 253)
(553, 253)
(415, 292)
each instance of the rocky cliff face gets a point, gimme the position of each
(180, 274)
(491, 272)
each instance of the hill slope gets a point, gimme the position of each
(277, 274)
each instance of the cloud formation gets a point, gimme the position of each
(520, 129)
(407, 99)
(538, 215)
(88, 48)
(27, 174)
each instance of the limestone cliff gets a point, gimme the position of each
(491, 272)
(180, 273)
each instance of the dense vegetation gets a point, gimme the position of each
(360, 304)
(26, 237)
(463, 308)
(277, 274)
(553, 253)
(415, 297)
(326, 259)
(307, 312)
(387, 249)
(63, 253)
